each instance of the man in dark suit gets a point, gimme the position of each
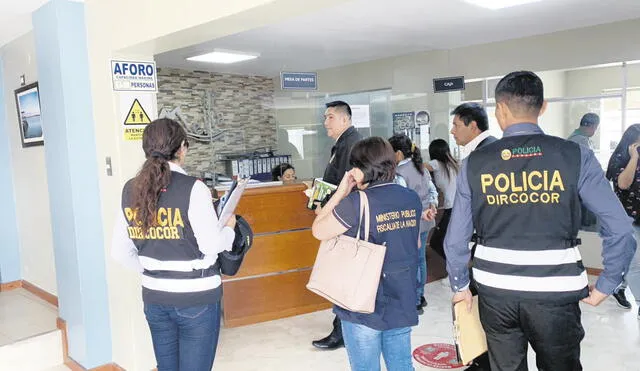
(471, 130)
(471, 127)
(337, 121)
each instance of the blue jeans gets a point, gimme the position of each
(422, 265)
(365, 344)
(184, 339)
(632, 277)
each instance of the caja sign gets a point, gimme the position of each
(134, 76)
(448, 84)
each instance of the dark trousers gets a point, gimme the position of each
(337, 327)
(553, 330)
(439, 232)
(184, 338)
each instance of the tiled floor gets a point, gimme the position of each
(612, 339)
(23, 315)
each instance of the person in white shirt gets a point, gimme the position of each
(166, 229)
(470, 127)
(445, 172)
(471, 130)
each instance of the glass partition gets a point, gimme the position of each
(301, 132)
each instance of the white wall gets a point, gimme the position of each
(30, 178)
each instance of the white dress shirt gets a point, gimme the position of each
(472, 145)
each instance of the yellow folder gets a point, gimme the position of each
(469, 336)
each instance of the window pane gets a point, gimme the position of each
(633, 94)
(300, 123)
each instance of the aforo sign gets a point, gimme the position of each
(134, 76)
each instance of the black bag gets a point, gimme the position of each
(229, 262)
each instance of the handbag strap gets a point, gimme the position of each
(364, 208)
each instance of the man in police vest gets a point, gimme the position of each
(522, 194)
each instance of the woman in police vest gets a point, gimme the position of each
(166, 230)
(394, 221)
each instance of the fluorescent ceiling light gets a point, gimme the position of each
(499, 4)
(223, 57)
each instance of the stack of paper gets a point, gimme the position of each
(229, 201)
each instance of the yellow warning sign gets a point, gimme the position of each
(136, 115)
(133, 133)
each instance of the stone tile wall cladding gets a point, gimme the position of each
(246, 104)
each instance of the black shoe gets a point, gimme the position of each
(621, 299)
(331, 342)
(420, 310)
(334, 340)
(423, 302)
(481, 363)
(476, 367)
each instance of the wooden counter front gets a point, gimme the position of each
(271, 282)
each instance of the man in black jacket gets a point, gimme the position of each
(337, 121)
(471, 130)
(471, 127)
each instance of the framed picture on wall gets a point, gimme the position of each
(29, 119)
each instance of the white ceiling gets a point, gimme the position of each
(15, 18)
(362, 30)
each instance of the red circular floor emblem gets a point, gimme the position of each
(437, 355)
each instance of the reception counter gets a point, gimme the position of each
(271, 282)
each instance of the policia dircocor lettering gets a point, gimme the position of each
(522, 195)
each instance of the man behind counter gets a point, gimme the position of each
(337, 121)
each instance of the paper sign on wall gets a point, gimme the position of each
(360, 116)
(403, 122)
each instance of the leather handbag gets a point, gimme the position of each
(347, 270)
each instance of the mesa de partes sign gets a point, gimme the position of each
(134, 76)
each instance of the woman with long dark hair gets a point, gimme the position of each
(445, 172)
(167, 230)
(395, 213)
(411, 169)
(624, 172)
(283, 172)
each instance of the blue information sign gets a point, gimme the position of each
(299, 80)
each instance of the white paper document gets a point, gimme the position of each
(230, 201)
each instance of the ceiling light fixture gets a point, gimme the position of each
(224, 57)
(499, 4)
